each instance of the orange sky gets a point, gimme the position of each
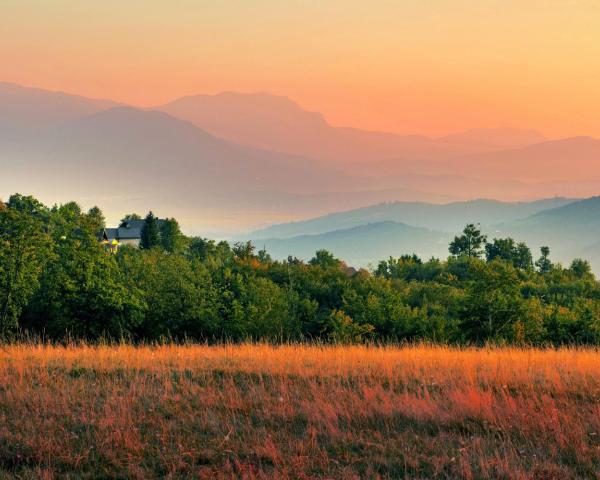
(409, 66)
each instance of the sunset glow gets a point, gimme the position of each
(407, 67)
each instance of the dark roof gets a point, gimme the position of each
(122, 233)
(131, 230)
(128, 233)
(110, 234)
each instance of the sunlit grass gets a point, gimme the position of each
(297, 411)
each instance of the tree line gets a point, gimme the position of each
(58, 281)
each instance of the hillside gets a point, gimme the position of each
(450, 217)
(362, 245)
(571, 230)
(32, 108)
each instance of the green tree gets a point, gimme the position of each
(508, 250)
(492, 303)
(171, 238)
(469, 243)
(581, 269)
(150, 235)
(24, 250)
(263, 256)
(184, 300)
(342, 329)
(82, 291)
(324, 259)
(543, 263)
(95, 221)
(243, 250)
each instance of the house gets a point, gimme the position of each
(128, 233)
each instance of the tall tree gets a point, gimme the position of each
(493, 303)
(95, 220)
(469, 243)
(508, 250)
(543, 263)
(324, 259)
(150, 236)
(581, 269)
(24, 249)
(170, 236)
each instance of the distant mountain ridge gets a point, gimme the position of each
(363, 245)
(571, 228)
(277, 123)
(137, 157)
(449, 217)
(25, 107)
(497, 138)
(59, 146)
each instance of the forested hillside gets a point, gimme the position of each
(57, 281)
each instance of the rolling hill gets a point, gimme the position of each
(570, 231)
(450, 217)
(571, 228)
(363, 245)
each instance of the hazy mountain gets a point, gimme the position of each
(127, 159)
(362, 245)
(570, 159)
(32, 108)
(494, 138)
(129, 154)
(277, 123)
(570, 231)
(61, 146)
(450, 217)
(570, 228)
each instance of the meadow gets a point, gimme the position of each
(298, 411)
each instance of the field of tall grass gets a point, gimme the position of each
(259, 411)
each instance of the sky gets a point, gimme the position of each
(405, 66)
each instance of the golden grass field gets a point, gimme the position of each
(257, 411)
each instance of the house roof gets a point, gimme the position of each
(129, 233)
(131, 230)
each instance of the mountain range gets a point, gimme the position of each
(362, 237)
(450, 217)
(277, 123)
(231, 162)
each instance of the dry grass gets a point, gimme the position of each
(255, 411)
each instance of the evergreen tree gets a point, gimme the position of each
(508, 250)
(150, 236)
(469, 243)
(543, 263)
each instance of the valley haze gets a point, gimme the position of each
(232, 163)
